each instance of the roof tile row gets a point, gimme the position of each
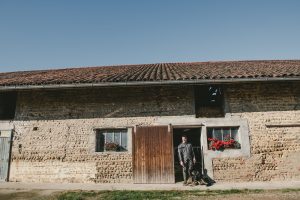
(155, 72)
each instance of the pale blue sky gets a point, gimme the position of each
(48, 34)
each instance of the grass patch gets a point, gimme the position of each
(76, 195)
(127, 194)
(119, 195)
(223, 192)
(290, 190)
(19, 195)
(172, 194)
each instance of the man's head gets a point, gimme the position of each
(184, 139)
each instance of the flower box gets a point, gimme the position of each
(220, 145)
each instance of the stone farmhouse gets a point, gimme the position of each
(122, 124)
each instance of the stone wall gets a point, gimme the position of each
(273, 114)
(54, 129)
(104, 102)
(62, 151)
(53, 139)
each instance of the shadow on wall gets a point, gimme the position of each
(104, 103)
(86, 103)
(205, 176)
(262, 97)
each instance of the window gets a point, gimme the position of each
(7, 105)
(220, 138)
(209, 101)
(111, 140)
(5, 133)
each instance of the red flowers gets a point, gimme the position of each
(215, 144)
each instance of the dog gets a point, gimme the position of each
(197, 178)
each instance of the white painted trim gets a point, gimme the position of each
(209, 155)
(6, 125)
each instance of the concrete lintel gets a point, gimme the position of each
(6, 125)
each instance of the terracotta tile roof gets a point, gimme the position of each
(156, 72)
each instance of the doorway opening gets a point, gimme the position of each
(193, 135)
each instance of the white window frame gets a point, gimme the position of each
(113, 132)
(244, 140)
(93, 140)
(222, 133)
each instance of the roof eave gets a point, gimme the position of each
(149, 83)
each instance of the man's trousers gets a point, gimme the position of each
(187, 169)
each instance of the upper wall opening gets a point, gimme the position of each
(209, 101)
(8, 105)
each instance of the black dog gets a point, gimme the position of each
(197, 178)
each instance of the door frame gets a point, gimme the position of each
(200, 137)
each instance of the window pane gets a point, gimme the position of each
(124, 140)
(209, 132)
(226, 133)
(99, 142)
(217, 134)
(234, 133)
(223, 134)
(109, 137)
(117, 138)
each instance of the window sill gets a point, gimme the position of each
(227, 153)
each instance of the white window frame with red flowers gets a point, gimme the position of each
(243, 135)
(222, 138)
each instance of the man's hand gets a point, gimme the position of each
(194, 160)
(181, 163)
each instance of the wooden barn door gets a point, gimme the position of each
(153, 155)
(5, 145)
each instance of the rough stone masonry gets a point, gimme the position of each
(53, 136)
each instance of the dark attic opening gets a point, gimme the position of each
(7, 105)
(209, 101)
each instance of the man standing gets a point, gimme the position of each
(186, 158)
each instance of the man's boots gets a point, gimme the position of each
(190, 180)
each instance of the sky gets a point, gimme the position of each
(51, 34)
